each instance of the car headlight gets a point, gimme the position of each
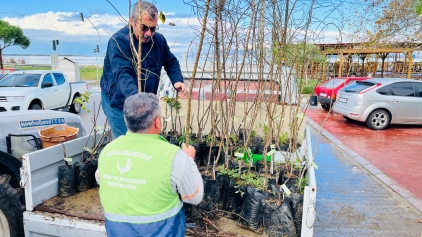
(15, 98)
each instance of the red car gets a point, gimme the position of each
(5, 71)
(327, 91)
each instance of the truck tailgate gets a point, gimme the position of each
(39, 224)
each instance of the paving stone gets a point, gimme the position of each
(353, 202)
(343, 235)
(324, 234)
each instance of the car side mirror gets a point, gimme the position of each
(46, 84)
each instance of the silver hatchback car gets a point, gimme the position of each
(381, 101)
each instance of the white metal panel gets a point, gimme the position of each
(309, 212)
(40, 224)
(68, 68)
(309, 196)
(310, 157)
(41, 169)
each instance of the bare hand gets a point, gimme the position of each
(189, 150)
(180, 87)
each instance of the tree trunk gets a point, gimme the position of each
(1, 58)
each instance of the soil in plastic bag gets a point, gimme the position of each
(296, 204)
(291, 182)
(283, 146)
(278, 219)
(199, 155)
(256, 141)
(232, 198)
(251, 214)
(173, 140)
(212, 194)
(66, 181)
(193, 215)
(233, 165)
(260, 149)
(272, 185)
(214, 153)
(85, 175)
(253, 149)
(259, 166)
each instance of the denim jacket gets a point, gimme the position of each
(120, 80)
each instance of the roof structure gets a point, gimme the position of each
(363, 49)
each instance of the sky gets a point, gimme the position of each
(45, 20)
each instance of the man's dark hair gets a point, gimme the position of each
(140, 110)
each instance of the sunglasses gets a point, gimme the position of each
(146, 28)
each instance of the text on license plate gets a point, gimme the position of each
(322, 94)
(342, 100)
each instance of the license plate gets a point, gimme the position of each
(342, 100)
(322, 94)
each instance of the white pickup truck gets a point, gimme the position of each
(39, 89)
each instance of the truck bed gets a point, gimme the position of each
(84, 205)
(46, 213)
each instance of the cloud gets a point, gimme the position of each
(79, 37)
(68, 23)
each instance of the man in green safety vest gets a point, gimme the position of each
(143, 179)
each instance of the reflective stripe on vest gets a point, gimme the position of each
(144, 219)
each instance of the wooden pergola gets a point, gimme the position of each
(359, 49)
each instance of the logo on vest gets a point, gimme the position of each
(126, 168)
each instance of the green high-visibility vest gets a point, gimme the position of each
(135, 182)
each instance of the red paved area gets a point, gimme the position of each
(397, 151)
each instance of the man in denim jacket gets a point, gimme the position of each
(120, 80)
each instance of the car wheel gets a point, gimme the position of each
(326, 106)
(75, 107)
(35, 107)
(379, 119)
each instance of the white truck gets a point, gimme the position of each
(39, 89)
(18, 136)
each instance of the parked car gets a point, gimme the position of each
(327, 91)
(39, 89)
(5, 71)
(382, 101)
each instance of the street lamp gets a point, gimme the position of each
(99, 40)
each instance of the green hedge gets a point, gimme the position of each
(309, 87)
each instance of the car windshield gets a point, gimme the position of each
(20, 80)
(358, 86)
(333, 83)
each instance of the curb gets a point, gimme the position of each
(403, 192)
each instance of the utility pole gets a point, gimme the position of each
(96, 50)
(55, 48)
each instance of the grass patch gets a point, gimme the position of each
(308, 88)
(90, 73)
(33, 67)
(87, 72)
